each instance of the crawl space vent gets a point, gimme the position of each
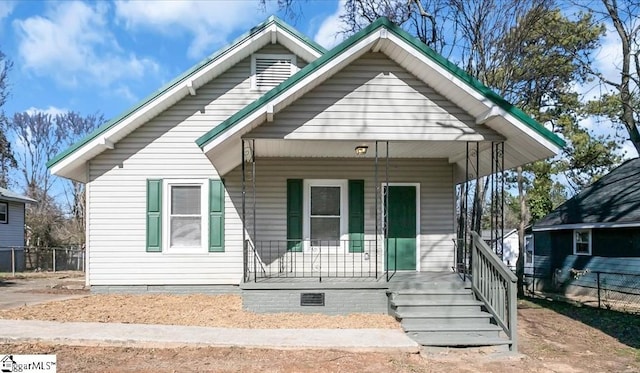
(312, 299)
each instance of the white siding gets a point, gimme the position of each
(435, 177)
(374, 98)
(163, 148)
(12, 233)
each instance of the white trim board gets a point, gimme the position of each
(587, 226)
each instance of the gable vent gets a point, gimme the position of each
(312, 299)
(271, 70)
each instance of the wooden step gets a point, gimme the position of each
(440, 294)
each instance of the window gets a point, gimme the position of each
(325, 211)
(582, 242)
(4, 213)
(269, 70)
(185, 218)
(528, 250)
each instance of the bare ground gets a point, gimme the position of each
(224, 311)
(554, 337)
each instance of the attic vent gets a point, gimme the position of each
(269, 70)
(312, 299)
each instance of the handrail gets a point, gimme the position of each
(496, 286)
(256, 260)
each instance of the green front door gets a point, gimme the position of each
(401, 244)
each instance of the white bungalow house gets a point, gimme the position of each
(305, 178)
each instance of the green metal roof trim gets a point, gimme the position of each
(184, 76)
(416, 43)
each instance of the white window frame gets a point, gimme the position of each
(306, 210)
(6, 213)
(291, 57)
(575, 242)
(166, 216)
(529, 266)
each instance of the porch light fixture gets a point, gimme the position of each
(361, 150)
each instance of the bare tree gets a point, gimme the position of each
(41, 137)
(7, 160)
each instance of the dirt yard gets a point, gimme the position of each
(554, 337)
(224, 311)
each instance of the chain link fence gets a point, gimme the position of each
(42, 259)
(609, 290)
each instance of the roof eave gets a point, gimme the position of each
(66, 163)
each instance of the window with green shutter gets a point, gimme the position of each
(154, 215)
(294, 214)
(356, 216)
(216, 216)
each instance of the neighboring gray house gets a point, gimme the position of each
(263, 168)
(12, 229)
(598, 230)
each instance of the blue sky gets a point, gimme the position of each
(105, 56)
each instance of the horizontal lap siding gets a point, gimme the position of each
(372, 97)
(436, 196)
(12, 234)
(164, 148)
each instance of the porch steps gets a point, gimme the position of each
(445, 316)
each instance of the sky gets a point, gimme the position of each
(103, 57)
(106, 56)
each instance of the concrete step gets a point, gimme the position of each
(459, 340)
(435, 303)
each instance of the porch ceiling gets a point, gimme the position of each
(229, 157)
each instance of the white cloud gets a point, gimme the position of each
(6, 7)
(210, 23)
(329, 33)
(73, 44)
(51, 110)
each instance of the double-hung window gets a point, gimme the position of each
(186, 219)
(325, 211)
(582, 242)
(4, 213)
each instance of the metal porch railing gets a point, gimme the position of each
(313, 259)
(496, 286)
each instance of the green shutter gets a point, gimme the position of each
(356, 216)
(294, 214)
(216, 216)
(154, 215)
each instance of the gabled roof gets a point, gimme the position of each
(270, 99)
(7, 195)
(70, 163)
(612, 201)
(526, 139)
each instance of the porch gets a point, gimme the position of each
(436, 308)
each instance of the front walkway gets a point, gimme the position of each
(170, 336)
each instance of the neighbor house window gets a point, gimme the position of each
(582, 242)
(185, 216)
(325, 211)
(269, 70)
(4, 213)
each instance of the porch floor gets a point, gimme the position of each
(398, 281)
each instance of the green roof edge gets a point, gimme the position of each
(181, 78)
(416, 43)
